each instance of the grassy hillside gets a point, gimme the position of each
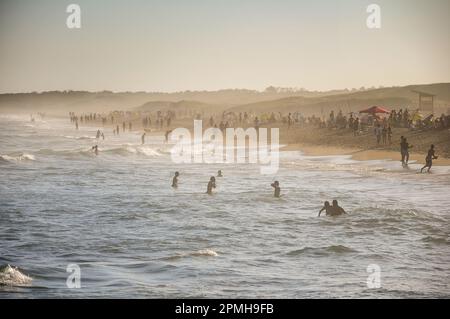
(272, 99)
(396, 97)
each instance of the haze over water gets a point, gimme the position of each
(116, 216)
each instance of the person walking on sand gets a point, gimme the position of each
(211, 185)
(378, 132)
(356, 127)
(389, 134)
(277, 189)
(429, 159)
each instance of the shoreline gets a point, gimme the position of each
(360, 154)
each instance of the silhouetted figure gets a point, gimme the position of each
(211, 185)
(175, 180)
(277, 189)
(429, 159)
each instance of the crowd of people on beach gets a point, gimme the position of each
(121, 121)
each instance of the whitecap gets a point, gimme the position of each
(11, 276)
(18, 158)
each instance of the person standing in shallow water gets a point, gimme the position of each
(211, 185)
(175, 180)
(143, 139)
(404, 150)
(429, 159)
(277, 189)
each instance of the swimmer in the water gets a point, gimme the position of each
(327, 208)
(175, 180)
(219, 173)
(336, 209)
(276, 186)
(429, 159)
(167, 135)
(95, 149)
(143, 139)
(211, 185)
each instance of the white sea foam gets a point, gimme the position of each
(18, 158)
(11, 276)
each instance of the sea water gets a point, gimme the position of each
(132, 235)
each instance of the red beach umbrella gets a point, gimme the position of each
(375, 110)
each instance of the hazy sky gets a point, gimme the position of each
(169, 45)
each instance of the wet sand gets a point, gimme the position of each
(361, 155)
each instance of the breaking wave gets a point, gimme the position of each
(198, 253)
(127, 150)
(11, 276)
(322, 251)
(17, 158)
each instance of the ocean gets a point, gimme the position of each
(132, 235)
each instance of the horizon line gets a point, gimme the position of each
(295, 90)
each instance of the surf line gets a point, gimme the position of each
(193, 150)
(187, 309)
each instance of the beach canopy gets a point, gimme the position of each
(375, 110)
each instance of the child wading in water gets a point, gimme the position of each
(211, 185)
(277, 189)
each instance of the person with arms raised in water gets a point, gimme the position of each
(327, 208)
(277, 189)
(429, 159)
(211, 185)
(175, 180)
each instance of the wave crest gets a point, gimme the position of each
(17, 158)
(11, 276)
(323, 251)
